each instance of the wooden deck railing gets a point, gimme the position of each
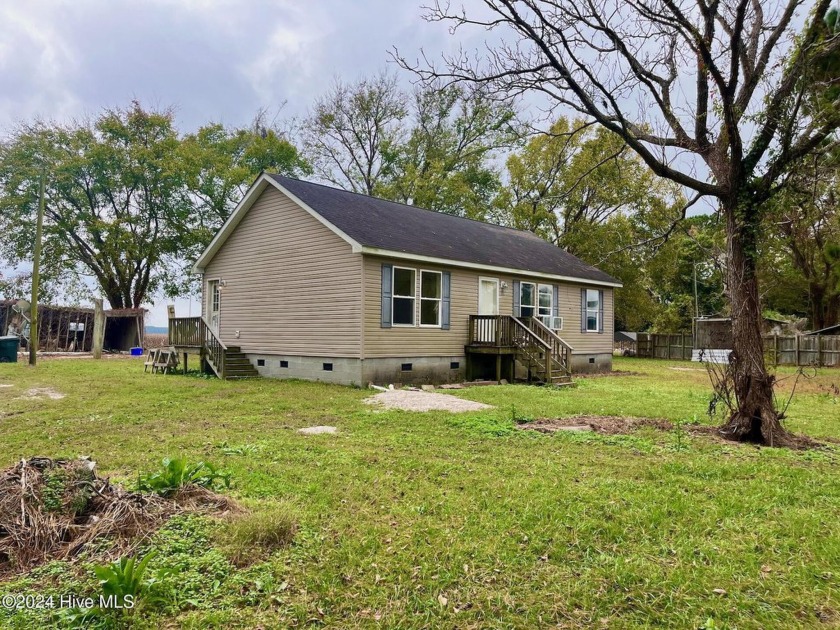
(186, 332)
(193, 332)
(545, 350)
(490, 330)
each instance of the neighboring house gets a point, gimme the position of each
(308, 281)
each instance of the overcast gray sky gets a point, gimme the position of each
(213, 60)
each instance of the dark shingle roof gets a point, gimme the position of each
(397, 227)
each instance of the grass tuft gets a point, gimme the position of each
(254, 536)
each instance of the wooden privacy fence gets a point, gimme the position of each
(664, 346)
(800, 350)
(819, 350)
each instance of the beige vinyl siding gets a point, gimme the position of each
(588, 342)
(421, 342)
(292, 286)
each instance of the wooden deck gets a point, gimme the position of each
(192, 335)
(525, 340)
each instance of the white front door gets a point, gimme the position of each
(488, 296)
(215, 305)
(488, 304)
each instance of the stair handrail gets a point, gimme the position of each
(561, 349)
(532, 336)
(215, 349)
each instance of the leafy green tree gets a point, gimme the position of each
(582, 189)
(128, 199)
(221, 163)
(801, 255)
(445, 162)
(115, 201)
(433, 148)
(695, 250)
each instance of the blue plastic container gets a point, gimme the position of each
(137, 352)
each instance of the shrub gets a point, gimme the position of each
(122, 580)
(177, 473)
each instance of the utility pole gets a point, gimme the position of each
(36, 276)
(696, 298)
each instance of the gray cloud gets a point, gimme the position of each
(212, 60)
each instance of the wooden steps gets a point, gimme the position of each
(237, 365)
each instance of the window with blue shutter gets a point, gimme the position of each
(444, 312)
(387, 277)
(516, 309)
(600, 311)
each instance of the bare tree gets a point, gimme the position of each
(711, 94)
(351, 130)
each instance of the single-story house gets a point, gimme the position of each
(309, 281)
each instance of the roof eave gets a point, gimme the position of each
(385, 253)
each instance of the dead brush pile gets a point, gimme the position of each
(54, 509)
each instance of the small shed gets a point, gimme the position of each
(70, 328)
(124, 328)
(625, 343)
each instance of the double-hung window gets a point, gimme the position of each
(527, 299)
(593, 310)
(405, 288)
(430, 297)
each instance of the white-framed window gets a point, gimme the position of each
(545, 299)
(431, 294)
(527, 299)
(216, 296)
(593, 310)
(403, 298)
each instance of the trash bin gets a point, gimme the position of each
(9, 349)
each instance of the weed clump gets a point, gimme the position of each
(52, 509)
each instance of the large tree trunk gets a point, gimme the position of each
(755, 418)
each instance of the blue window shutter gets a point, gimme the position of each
(555, 305)
(583, 310)
(387, 283)
(516, 297)
(446, 281)
(600, 311)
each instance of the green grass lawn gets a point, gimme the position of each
(417, 520)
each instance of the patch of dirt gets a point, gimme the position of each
(41, 393)
(615, 425)
(606, 425)
(603, 374)
(685, 369)
(408, 400)
(54, 509)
